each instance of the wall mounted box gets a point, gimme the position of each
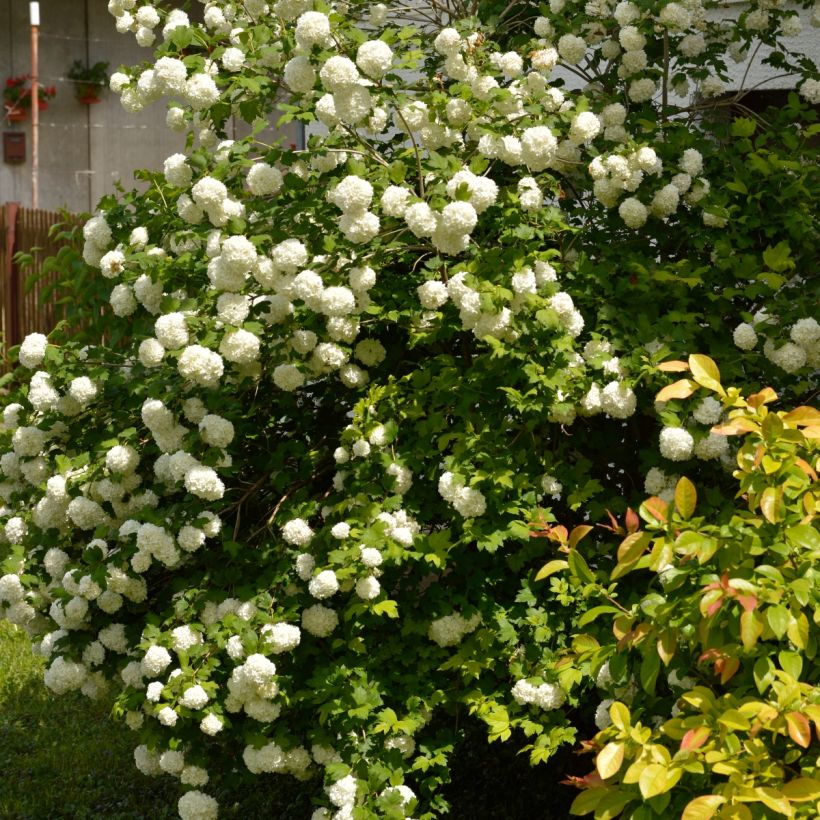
(14, 147)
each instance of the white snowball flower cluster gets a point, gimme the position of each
(450, 630)
(676, 444)
(468, 501)
(353, 196)
(546, 696)
(33, 350)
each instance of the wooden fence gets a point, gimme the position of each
(24, 309)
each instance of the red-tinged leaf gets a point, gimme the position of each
(705, 372)
(578, 534)
(726, 668)
(715, 606)
(631, 520)
(673, 367)
(736, 427)
(803, 416)
(703, 807)
(799, 729)
(748, 602)
(677, 390)
(686, 498)
(765, 396)
(657, 508)
(613, 525)
(695, 738)
(806, 468)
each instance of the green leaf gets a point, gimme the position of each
(609, 760)
(733, 719)
(650, 666)
(587, 801)
(551, 568)
(743, 127)
(389, 608)
(802, 789)
(703, 807)
(791, 663)
(705, 372)
(619, 715)
(656, 779)
(778, 618)
(686, 498)
(778, 258)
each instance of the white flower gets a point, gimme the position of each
(196, 805)
(288, 377)
(421, 219)
(211, 724)
(194, 697)
(313, 28)
(368, 588)
(339, 73)
(155, 661)
(240, 346)
(299, 75)
(343, 792)
(708, 411)
(602, 718)
(572, 48)
(171, 331)
(297, 532)
(33, 350)
(200, 365)
(374, 58)
(744, 336)
(676, 444)
(264, 180)
(281, 637)
(538, 146)
(324, 585)
(633, 212)
(319, 620)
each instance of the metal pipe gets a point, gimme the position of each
(34, 17)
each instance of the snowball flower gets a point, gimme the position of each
(200, 365)
(297, 532)
(196, 805)
(374, 58)
(319, 620)
(313, 29)
(264, 179)
(676, 444)
(281, 637)
(33, 350)
(324, 585)
(744, 336)
(194, 697)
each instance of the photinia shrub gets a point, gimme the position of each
(277, 500)
(704, 620)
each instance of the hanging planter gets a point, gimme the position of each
(89, 81)
(14, 113)
(17, 97)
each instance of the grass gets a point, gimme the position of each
(64, 758)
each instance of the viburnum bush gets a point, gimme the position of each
(280, 497)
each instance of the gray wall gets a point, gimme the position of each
(84, 150)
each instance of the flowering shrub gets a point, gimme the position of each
(715, 650)
(282, 504)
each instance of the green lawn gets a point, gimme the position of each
(61, 757)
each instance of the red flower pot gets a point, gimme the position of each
(15, 113)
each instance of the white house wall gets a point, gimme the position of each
(84, 150)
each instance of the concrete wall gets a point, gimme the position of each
(84, 150)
